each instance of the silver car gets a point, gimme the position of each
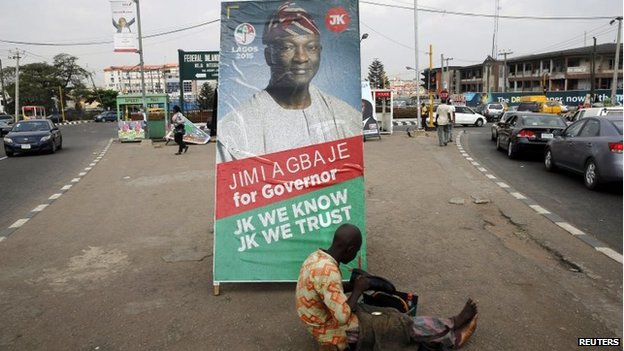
(591, 146)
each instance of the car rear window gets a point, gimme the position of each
(528, 106)
(496, 106)
(543, 121)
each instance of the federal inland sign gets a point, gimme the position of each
(196, 65)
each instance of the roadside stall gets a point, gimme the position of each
(385, 97)
(134, 125)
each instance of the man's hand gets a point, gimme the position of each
(360, 285)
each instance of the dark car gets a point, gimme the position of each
(5, 126)
(527, 132)
(33, 135)
(591, 146)
(5, 117)
(107, 116)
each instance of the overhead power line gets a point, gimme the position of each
(106, 41)
(471, 14)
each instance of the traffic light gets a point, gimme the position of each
(432, 82)
(424, 81)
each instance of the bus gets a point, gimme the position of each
(33, 112)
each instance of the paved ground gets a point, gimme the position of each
(123, 259)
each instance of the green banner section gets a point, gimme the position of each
(270, 243)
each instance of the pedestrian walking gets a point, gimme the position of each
(424, 113)
(178, 134)
(444, 116)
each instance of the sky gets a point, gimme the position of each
(466, 37)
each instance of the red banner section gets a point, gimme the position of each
(259, 181)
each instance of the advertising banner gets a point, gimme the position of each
(567, 97)
(369, 115)
(192, 133)
(124, 23)
(289, 136)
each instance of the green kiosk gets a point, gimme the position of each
(131, 121)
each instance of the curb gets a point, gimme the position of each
(71, 123)
(6, 232)
(586, 238)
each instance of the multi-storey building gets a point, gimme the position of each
(552, 71)
(158, 79)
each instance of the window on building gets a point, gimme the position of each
(188, 87)
(574, 62)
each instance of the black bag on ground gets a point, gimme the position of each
(384, 294)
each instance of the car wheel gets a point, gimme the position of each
(493, 136)
(498, 143)
(53, 150)
(510, 151)
(591, 175)
(479, 123)
(60, 147)
(549, 162)
(8, 153)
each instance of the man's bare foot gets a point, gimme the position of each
(466, 314)
(465, 332)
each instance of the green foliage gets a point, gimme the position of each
(377, 75)
(206, 96)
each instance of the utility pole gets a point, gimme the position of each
(4, 101)
(592, 76)
(16, 56)
(142, 72)
(416, 68)
(616, 65)
(429, 86)
(505, 73)
(448, 75)
(442, 71)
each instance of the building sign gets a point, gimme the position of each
(287, 175)
(569, 97)
(198, 65)
(125, 28)
(382, 94)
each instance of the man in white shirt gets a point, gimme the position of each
(444, 116)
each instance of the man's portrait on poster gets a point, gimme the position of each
(290, 111)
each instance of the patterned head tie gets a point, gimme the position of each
(289, 19)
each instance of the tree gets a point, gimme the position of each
(206, 95)
(38, 85)
(377, 75)
(68, 72)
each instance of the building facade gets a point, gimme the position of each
(553, 71)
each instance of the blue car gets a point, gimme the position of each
(33, 135)
(107, 116)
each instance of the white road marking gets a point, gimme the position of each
(82, 174)
(54, 197)
(88, 169)
(569, 228)
(19, 223)
(491, 177)
(3, 158)
(66, 187)
(91, 164)
(539, 209)
(39, 208)
(2, 238)
(502, 185)
(75, 180)
(469, 159)
(610, 253)
(518, 196)
(482, 169)
(475, 163)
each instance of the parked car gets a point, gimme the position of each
(5, 126)
(106, 116)
(4, 116)
(596, 111)
(33, 135)
(493, 111)
(464, 115)
(496, 125)
(591, 146)
(527, 132)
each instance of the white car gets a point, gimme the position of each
(596, 111)
(464, 115)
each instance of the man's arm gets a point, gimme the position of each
(358, 287)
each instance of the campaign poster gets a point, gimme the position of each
(289, 136)
(369, 115)
(124, 26)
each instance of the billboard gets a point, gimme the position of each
(289, 136)
(369, 115)
(125, 35)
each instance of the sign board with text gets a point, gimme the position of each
(198, 65)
